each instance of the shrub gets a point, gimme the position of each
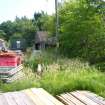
(38, 58)
(82, 30)
(70, 80)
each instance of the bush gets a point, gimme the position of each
(100, 66)
(19, 85)
(82, 30)
(36, 58)
(57, 82)
(69, 75)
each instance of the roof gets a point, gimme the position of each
(41, 36)
(52, 41)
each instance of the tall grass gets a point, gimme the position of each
(28, 81)
(63, 75)
(38, 58)
(69, 75)
(66, 81)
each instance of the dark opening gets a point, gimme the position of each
(37, 46)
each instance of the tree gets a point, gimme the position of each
(8, 28)
(82, 30)
(25, 29)
(45, 22)
(2, 34)
(50, 25)
(21, 27)
(40, 20)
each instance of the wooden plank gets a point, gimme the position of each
(94, 97)
(73, 99)
(3, 76)
(17, 98)
(25, 98)
(83, 98)
(33, 97)
(3, 100)
(10, 99)
(67, 98)
(64, 100)
(15, 70)
(99, 97)
(5, 68)
(42, 97)
(50, 97)
(17, 76)
(12, 71)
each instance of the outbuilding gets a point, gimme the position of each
(42, 40)
(18, 44)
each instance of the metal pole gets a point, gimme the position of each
(56, 10)
(57, 22)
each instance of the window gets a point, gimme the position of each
(18, 44)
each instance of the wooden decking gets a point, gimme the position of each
(81, 98)
(29, 97)
(38, 96)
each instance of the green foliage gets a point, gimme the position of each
(32, 63)
(82, 31)
(28, 80)
(8, 28)
(19, 85)
(26, 29)
(66, 81)
(50, 25)
(43, 21)
(62, 76)
(21, 27)
(70, 75)
(40, 19)
(16, 36)
(36, 58)
(2, 34)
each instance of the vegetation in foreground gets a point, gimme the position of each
(60, 76)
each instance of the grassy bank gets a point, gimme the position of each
(65, 81)
(61, 76)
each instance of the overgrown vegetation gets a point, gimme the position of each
(25, 28)
(60, 76)
(38, 57)
(80, 79)
(81, 35)
(82, 29)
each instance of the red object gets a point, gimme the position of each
(8, 54)
(10, 60)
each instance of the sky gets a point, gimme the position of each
(9, 9)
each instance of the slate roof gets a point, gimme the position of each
(41, 36)
(52, 41)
